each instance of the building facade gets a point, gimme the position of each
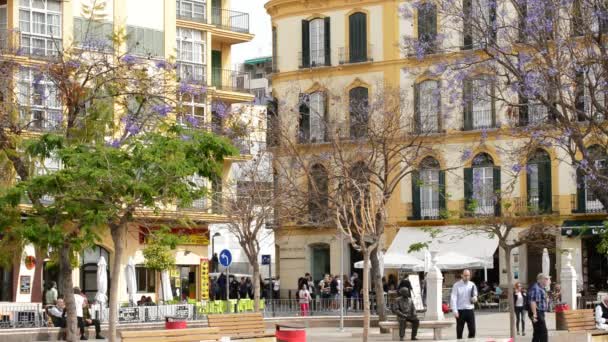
(346, 49)
(197, 35)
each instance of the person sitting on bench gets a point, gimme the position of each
(601, 314)
(405, 310)
(57, 313)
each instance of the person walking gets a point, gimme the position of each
(462, 300)
(520, 299)
(304, 299)
(403, 307)
(537, 295)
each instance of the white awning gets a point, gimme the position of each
(456, 249)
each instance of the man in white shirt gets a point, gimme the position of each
(601, 314)
(79, 300)
(462, 301)
(57, 313)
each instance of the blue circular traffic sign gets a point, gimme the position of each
(225, 258)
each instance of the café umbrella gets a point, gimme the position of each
(546, 262)
(166, 293)
(102, 282)
(131, 282)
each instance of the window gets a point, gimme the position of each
(479, 23)
(88, 277)
(589, 91)
(536, 21)
(429, 188)
(479, 104)
(191, 10)
(3, 28)
(312, 117)
(198, 183)
(427, 25)
(192, 110)
(40, 26)
(191, 55)
(275, 58)
(600, 160)
(318, 193)
(146, 279)
(260, 95)
(216, 190)
(357, 37)
(359, 112)
(39, 104)
(539, 182)
(315, 42)
(482, 186)
(427, 106)
(92, 34)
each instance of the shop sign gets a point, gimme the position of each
(204, 279)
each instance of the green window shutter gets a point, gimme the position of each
(432, 22)
(544, 186)
(417, 120)
(304, 124)
(416, 195)
(528, 187)
(492, 22)
(427, 22)
(468, 105)
(442, 193)
(523, 110)
(580, 192)
(357, 37)
(467, 32)
(468, 188)
(327, 42)
(305, 43)
(497, 190)
(325, 124)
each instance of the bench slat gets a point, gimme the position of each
(169, 332)
(240, 326)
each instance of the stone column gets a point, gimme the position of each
(434, 282)
(568, 279)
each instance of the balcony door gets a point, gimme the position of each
(216, 66)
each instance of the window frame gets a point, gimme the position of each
(149, 281)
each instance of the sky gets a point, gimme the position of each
(259, 25)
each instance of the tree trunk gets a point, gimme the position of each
(117, 233)
(366, 306)
(510, 292)
(65, 268)
(256, 287)
(37, 289)
(377, 283)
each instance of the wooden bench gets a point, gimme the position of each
(437, 327)
(176, 335)
(240, 326)
(578, 320)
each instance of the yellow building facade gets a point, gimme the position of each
(315, 48)
(197, 35)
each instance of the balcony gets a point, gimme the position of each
(315, 59)
(590, 206)
(230, 80)
(230, 20)
(354, 55)
(192, 73)
(191, 11)
(532, 206)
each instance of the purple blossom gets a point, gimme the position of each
(192, 120)
(220, 108)
(132, 128)
(129, 59)
(484, 134)
(114, 143)
(161, 109)
(516, 168)
(73, 64)
(162, 64)
(466, 155)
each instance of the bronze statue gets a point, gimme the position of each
(405, 310)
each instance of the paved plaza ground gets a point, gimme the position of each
(490, 325)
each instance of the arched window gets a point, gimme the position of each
(427, 103)
(318, 192)
(313, 112)
(357, 37)
(482, 186)
(88, 270)
(359, 111)
(538, 183)
(428, 190)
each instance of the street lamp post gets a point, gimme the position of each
(215, 268)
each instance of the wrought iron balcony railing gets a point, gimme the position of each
(230, 20)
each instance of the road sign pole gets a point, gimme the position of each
(227, 289)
